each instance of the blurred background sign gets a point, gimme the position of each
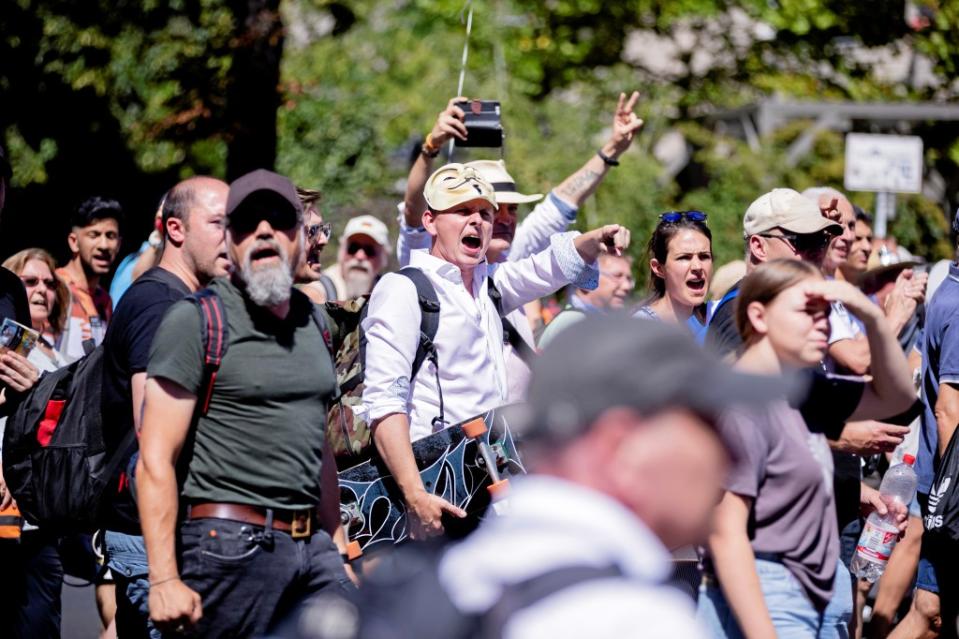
(883, 163)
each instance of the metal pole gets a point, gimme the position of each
(884, 201)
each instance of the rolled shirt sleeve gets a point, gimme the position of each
(409, 238)
(392, 334)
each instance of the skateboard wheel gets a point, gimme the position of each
(498, 489)
(474, 428)
(353, 550)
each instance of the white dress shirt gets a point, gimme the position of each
(552, 215)
(552, 524)
(469, 341)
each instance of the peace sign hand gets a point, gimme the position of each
(625, 123)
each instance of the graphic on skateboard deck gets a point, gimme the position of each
(451, 464)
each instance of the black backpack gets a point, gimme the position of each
(55, 461)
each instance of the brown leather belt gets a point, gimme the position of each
(299, 523)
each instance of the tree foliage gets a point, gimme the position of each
(126, 97)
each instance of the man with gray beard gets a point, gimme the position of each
(362, 255)
(255, 528)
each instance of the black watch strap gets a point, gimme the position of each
(606, 159)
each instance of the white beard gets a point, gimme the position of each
(269, 285)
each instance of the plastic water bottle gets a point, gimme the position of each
(881, 533)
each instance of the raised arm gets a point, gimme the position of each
(570, 259)
(584, 182)
(449, 124)
(890, 392)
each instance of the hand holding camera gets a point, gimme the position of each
(449, 124)
(471, 123)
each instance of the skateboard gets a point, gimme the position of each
(464, 464)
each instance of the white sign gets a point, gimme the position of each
(891, 163)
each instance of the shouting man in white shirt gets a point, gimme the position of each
(470, 377)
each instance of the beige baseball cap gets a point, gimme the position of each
(367, 225)
(455, 184)
(788, 210)
(494, 171)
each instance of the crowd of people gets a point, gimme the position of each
(746, 412)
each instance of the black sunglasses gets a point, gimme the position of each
(672, 217)
(246, 221)
(354, 247)
(802, 242)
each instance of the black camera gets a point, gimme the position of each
(483, 126)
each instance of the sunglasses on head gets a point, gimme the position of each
(30, 281)
(672, 217)
(371, 250)
(315, 230)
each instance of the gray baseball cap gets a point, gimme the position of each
(616, 360)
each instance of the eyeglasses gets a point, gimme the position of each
(803, 243)
(371, 250)
(30, 281)
(315, 230)
(672, 217)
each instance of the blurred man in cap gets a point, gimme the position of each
(261, 501)
(625, 463)
(364, 249)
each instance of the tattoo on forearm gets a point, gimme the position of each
(584, 179)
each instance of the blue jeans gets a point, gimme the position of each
(127, 560)
(793, 614)
(250, 578)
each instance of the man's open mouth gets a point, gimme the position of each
(472, 242)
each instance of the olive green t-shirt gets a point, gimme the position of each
(261, 442)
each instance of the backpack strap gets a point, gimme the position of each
(522, 595)
(728, 297)
(328, 287)
(429, 304)
(319, 318)
(523, 350)
(213, 331)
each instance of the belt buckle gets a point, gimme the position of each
(301, 525)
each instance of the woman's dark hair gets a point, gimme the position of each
(764, 285)
(658, 247)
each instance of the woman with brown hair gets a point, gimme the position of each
(774, 549)
(680, 266)
(49, 300)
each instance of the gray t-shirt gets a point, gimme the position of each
(787, 471)
(261, 442)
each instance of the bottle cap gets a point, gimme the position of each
(909, 460)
